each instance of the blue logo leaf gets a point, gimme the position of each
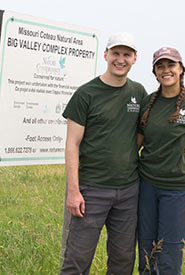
(62, 62)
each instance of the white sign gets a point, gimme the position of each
(42, 63)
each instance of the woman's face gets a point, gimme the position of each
(168, 72)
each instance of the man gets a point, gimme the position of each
(101, 163)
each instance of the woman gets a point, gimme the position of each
(162, 169)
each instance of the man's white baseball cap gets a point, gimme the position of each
(121, 39)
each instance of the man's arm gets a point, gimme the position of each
(75, 200)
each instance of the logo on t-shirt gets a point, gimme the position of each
(133, 106)
(181, 119)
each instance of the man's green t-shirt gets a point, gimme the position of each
(108, 155)
(162, 161)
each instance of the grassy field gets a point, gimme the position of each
(31, 217)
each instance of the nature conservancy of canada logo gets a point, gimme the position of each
(181, 119)
(133, 106)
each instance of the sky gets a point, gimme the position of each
(154, 23)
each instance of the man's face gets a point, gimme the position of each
(120, 60)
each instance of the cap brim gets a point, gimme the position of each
(166, 57)
(118, 44)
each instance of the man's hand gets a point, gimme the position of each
(76, 204)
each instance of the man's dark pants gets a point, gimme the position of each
(117, 210)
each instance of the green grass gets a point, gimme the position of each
(31, 217)
(31, 203)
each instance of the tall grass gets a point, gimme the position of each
(31, 218)
(31, 209)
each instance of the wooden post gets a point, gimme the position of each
(65, 230)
